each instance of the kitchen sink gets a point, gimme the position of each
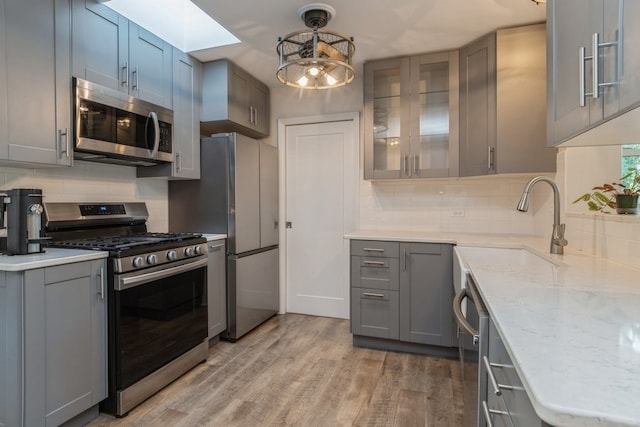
(504, 256)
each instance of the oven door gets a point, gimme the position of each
(158, 315)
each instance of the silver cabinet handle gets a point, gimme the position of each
(220, 245)
(581, 76)
(178, 161)
(416, 165)
(404, 260)
(492, 377)
(63, 148)
(596, 64)
(490, 154)
(405, 166)
(373, 263)
(125, 75)
(135, 81)
(371, 294)
(373, 249)
(487, 413)
(101, 276)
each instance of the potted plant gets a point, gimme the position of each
(616, 195)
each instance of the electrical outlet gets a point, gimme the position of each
(457, 213)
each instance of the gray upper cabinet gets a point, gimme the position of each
(35, 82)
(502, 104)
(54, 343)
(586, 90)
(187, 78)
(411, 117)
(112, 51)
(233, 101)
(426, 292)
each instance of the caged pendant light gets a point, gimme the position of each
(313, 59)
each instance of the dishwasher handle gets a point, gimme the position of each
(460, 319)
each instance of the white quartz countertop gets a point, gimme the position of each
(51, 257)
(571, 328)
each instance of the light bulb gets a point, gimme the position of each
(314, 71)
(302, 81)
(330, 80)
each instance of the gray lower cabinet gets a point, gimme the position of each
(35, 88)
(426, 293)
(512, 407)
(402, 291)
(53, 343)
(502, 103)
(217, 287)
(129, 58)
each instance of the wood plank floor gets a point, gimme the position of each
(298, 370)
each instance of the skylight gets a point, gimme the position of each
(179, 22)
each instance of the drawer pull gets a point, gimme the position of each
(373, 262)
(492, 378)
(487, 413)
(373, 249)
(371, 294)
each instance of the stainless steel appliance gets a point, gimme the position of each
(472, 318)
(22, 208)
(157, 313)
(237, 195)
(113, 127)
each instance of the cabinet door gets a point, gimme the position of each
(98, 302)
(186, 115)
(386, 86)
(426, 293)
(100, 45)
(621, 63)
(239, 96)
(260, 104)
(570, 26)
(434, 115)
(36, 43)
(217, 288)
(150, 71)
(478, 106)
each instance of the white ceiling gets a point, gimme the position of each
(380, 28)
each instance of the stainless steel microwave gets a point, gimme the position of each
(113, 127)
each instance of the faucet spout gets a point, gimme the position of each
(558, 242)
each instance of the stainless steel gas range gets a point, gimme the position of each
(157, 314)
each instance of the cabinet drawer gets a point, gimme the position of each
(375, 313)
(375, 272)
(64, 272)
(374, 248)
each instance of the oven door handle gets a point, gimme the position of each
(460, 319)
(124, 283)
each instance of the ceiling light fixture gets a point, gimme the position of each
(315, 59)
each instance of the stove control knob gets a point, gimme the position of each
(197, 250)
(152, 259)
(188, 251)
(138, 262)
(172, 255)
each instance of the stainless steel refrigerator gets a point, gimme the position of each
(237, 194)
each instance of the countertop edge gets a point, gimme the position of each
(50, 258)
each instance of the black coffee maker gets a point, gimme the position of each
(21, 215)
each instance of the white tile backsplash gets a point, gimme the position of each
(94, 182)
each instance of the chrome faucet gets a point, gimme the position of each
(558, 242)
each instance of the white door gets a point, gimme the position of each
(321, 177)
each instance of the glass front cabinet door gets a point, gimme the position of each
(411, 120)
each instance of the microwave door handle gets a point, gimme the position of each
(156, 134)
(457, 312)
